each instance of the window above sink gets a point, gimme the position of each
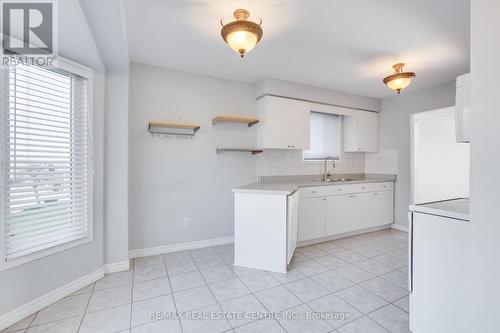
(325, 137)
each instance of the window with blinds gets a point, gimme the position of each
(45, 160)
(325, 136)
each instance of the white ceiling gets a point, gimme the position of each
(338, 44)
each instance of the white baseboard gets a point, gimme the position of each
(179, 247)
(399, 227)
(25, 310)
(117, 267)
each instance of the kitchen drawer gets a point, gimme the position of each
(313, 192)
(357, 188)
(327, 190)
(341, 189)
(376, 187)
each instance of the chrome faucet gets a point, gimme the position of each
(325, 173)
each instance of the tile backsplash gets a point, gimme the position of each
(290, 162)
(385, 161)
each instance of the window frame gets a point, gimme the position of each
(77, 69)
(340, 131)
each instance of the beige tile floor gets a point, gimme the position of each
(351, 285)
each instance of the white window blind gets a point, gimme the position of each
(325, 136)
(46, 160)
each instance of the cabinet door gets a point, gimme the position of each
(300, 125)
(273, 131)
(367, 131)
(362, 210)
(388, 204)
(360, 132)
(311, 218)
(375, 206)
(338, 214)
(293, 212)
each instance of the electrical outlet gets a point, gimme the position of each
(185, 223)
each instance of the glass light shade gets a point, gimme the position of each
(399, 83)
(242, 41)
(241, 35)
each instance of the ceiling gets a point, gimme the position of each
(342, 45)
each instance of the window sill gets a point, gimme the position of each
(6, 265)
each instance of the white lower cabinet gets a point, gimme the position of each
(338, 214)
(321, 216)
(377, 209)
(311, 218)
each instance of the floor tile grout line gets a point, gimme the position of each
(328, 269)
(173, 298)
(283, 284)
(211, 292)
(219, 303)
(226, 264)
(270, 310)
(243, 281)
(86, 307)
(53, 321)
(47, 323)
(31, 321)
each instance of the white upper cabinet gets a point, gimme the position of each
(300, 124)
(360, 132)
(284, 123)
(462, 108)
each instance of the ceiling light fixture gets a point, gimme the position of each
(241, 35)
(399, 80)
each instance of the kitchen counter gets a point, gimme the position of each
(455, 209)
(285, 185)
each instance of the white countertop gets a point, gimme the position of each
(288, 184)
(455, 208)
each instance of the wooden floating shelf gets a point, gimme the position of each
(253, 151)
(173, 127)
(236, 119)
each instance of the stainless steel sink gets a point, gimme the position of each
(335, 179)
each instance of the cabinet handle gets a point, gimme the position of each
(324, 199)
(363, 188)
(313, 192)
(340, 189)
(375, 193)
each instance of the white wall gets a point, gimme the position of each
(394, 133)
(116, 168)
(172, 179)
(483, 265)
(440, 164)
